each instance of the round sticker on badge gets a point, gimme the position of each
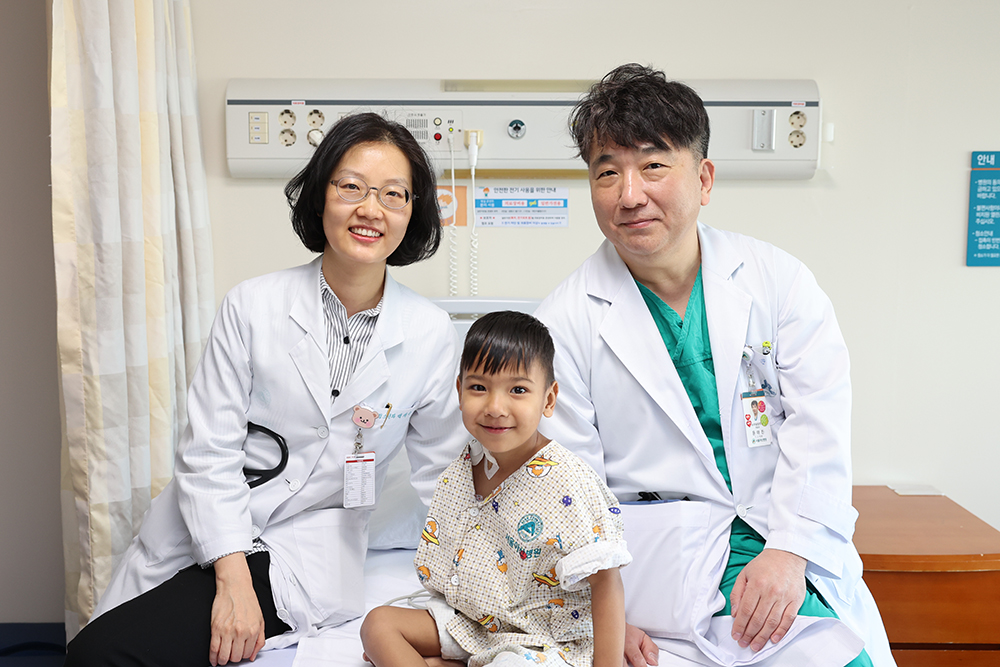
(761, 406)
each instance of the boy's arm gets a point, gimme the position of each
(607, 598)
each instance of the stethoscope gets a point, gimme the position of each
(266, 475)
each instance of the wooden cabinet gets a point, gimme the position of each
(934, 569)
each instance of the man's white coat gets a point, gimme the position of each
(623, 409)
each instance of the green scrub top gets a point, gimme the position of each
(690, 349)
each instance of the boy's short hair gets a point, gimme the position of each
(506, 339)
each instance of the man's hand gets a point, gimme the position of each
(640, 650)
(237, 622)
(766, 597)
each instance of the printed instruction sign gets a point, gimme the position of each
(984, 210)
(522, 206)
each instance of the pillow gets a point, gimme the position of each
(399, 516)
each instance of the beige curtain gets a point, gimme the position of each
(133, 262)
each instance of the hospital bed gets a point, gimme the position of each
(393, 533)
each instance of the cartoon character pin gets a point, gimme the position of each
(365, 417)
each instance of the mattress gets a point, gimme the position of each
(388, 574)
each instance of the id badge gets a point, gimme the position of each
(757, 421)
(359, 479)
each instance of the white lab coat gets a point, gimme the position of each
(623, 409)
(266, 362)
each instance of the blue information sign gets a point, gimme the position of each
(984, 210)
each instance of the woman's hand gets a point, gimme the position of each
(237, 622)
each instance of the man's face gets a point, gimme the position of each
(647, 199)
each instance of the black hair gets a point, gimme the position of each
(506, 339)
(306, 193)
(635, 105)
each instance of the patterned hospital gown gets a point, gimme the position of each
(515, 564)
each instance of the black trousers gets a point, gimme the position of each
(169, 626)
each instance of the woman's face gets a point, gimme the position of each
(366, 232)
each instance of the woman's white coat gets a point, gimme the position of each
(266, 362)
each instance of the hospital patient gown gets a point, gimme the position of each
(515, 563)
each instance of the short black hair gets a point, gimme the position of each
(306, 193)
(634, 105)
(507, 339)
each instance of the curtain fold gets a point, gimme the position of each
(133, 253)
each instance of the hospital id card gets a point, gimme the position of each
(757, 420)
(359, 479)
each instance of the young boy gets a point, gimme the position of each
(523, 540)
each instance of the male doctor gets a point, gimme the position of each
(703, 373)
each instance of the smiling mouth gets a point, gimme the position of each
(362, 231)
(496, 429)
(634, 223)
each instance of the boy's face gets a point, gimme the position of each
(502, 410)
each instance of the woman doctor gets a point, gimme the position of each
(342, 363)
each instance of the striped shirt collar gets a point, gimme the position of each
(347, 338)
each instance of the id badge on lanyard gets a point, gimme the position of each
(359, 466)
(755, 416)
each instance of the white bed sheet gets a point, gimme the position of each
(388, 574)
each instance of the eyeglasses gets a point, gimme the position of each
(354, 190)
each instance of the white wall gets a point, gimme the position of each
(911, 87)
(31, 567)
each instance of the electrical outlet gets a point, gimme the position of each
(316, 118)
